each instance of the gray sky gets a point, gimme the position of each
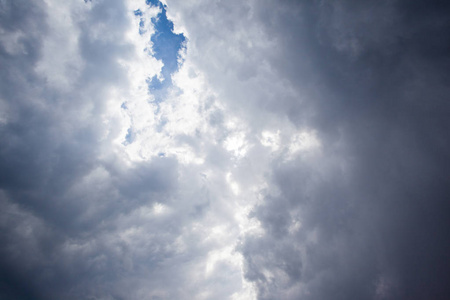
(246, 150)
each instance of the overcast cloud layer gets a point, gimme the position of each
(224, 149)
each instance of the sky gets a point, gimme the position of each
(244, 150)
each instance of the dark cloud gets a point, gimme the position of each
(347, 198)
(60, 198)
(379, 209)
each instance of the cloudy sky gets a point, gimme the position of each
(245, 150)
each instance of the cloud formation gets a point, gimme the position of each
(297, 150)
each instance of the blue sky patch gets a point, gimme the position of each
(166, 47)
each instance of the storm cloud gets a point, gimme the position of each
(224, 149)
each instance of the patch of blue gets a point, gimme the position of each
(153, 2)
(154, 83)
(166, 46)
(142, 26)
(138, 12)
(129, 138)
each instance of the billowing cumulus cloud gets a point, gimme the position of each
(224, 150)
